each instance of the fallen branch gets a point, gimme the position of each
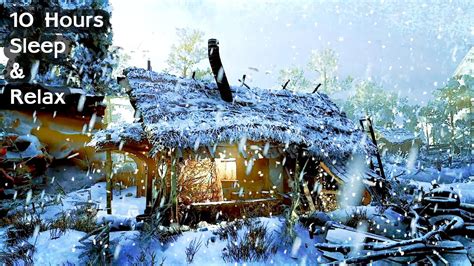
(416, 246)
(424, 239)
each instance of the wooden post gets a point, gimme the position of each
(150, 172)
(374, 141)
(307, 194)
(148, 67)
(108, 178)
(149, 189)
(174, 194)
(379, 159)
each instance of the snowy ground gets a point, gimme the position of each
(124, 204)
(59, 251)
(66, 248)
(127, 246)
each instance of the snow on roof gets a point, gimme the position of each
(125, 134)
(186, 113)
(396, 135)
(466, 67)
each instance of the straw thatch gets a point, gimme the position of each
(185, 113)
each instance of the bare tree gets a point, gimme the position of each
(325, 63)
(188, 53)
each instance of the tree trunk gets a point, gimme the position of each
(427, 133)
(451, 123)
(325, 81)
(185, 72)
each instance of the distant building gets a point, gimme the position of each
(466, 67)
(397, 140)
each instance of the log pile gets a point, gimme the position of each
(438, 231)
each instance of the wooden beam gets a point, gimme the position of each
(307, 194)
(108, 178)
(329, 172)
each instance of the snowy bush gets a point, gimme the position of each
(192, 249)
(256, 244)
(230, 230)
(15, 255)
(145, 257)
(154, 230)
(96, 246)
(23, 227)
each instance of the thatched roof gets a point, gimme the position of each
(185, 113)
(126, 134)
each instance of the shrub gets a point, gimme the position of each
(192, 249)
(256, 244)
(153, 230)
(15, 255)
(146, 257)
(56, 233)
(84, 219)
(80, 219)
(229, 230)
(23, 227)
(96, 246)
(59, 226)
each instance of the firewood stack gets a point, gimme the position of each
(438, 231)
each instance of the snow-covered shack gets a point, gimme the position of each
(397, 140)
(222, 153)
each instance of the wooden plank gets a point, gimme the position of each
(232, 202)
(329, 172)
(308, 197)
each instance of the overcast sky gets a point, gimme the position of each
(410, 47)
